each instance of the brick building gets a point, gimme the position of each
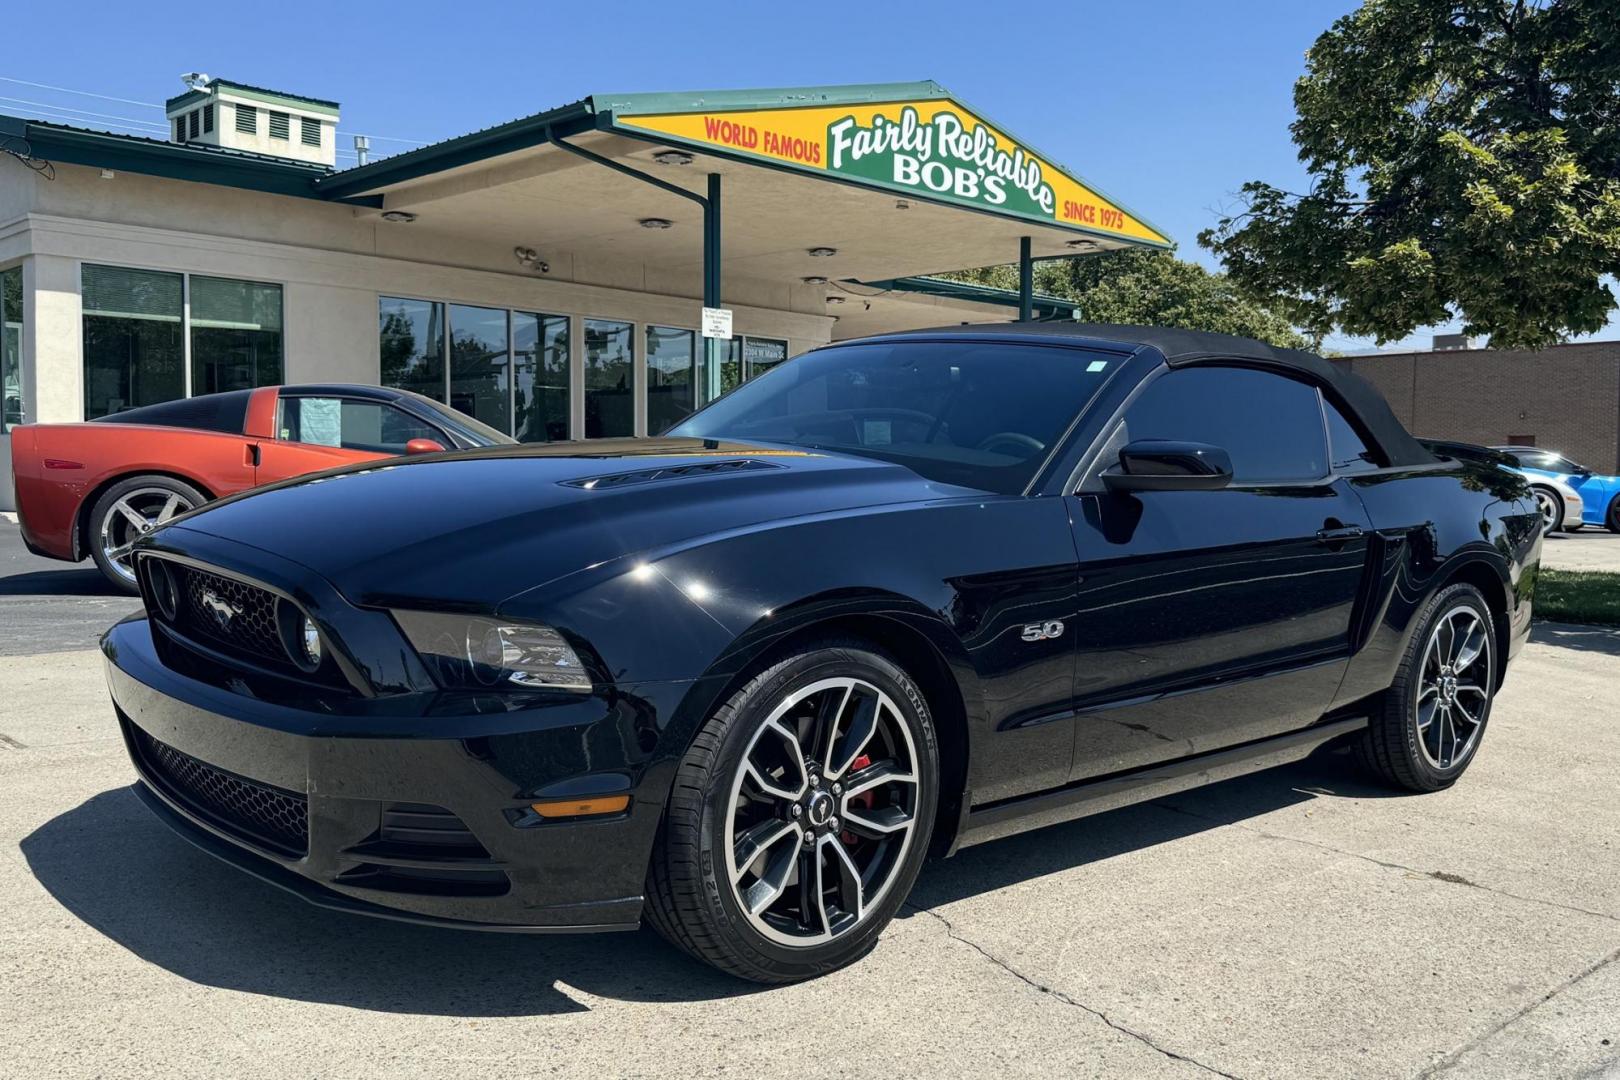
(1565, 398)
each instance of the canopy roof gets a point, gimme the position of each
(897, 179)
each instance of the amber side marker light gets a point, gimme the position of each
(600, 804)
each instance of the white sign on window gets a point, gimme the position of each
(717, 323)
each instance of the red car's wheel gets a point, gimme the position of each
(128, 511)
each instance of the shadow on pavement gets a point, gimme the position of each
(122, 872)
(112, 864)
(77, 582)
(1001, 863)
(1598, 639)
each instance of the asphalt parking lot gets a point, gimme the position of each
(1295, 923)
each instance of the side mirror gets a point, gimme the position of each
(424, 446)
(1164, 465)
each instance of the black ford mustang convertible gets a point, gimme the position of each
(894, 597)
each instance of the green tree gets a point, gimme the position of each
(1150, 288)
(1464, 158)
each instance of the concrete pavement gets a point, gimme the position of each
(1295, 923)
(1593, 548)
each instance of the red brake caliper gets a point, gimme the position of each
(864, 800)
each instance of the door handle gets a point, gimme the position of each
(1338, 535)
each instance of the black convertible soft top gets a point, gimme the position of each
(1181, 348)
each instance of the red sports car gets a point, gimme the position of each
(94, 488)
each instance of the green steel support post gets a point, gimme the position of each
(711, 287)
(1026, 282)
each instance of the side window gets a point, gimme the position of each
(351, 425)
(1347, 450)
(1269, 424)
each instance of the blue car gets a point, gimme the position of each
(1600, 494)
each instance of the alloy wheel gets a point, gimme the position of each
(1549, 510)
(132, 517)
(821, 812)
(1454, 687)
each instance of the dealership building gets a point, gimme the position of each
(1564, 398)
(596, 270)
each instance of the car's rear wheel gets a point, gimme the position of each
(1552, 509)
(1612, 518)
(799, 818)
(128, 511)
(1434, 713)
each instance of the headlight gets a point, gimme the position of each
(470, 652)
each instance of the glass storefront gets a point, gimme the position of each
(506, 368)
(134, 344)
(139, 323)
(610, 380)
(235, 335)
(480, 365)
(671, 377)
(11, 316)
(515, 370)
(540, 377)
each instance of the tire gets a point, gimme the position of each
(1552, 509)
(1612, 518)
(1398, 746)
(113, 526)
(696, 896)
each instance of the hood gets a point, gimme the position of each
(478, 526)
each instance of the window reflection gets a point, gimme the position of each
(609, 379)
(132, 339)
(412, 335)
(479, 365)
(540, 376)
(235, 335)
(671, 376)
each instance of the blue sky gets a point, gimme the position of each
(1167, 105)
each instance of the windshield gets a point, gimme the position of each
(984, 415)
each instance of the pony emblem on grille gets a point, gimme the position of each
(222, 610)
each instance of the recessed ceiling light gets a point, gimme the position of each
(835, 299)
(814, 279)
(822, 252)
(901, 204)
(1082, 244)
(656, 223)
(673, 157)
(402, 217)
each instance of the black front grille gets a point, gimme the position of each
(263, 815)
(228, 612)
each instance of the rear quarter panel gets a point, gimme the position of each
(1432, 525)
(50, 500)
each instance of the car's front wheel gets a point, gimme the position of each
(1612, 519)
(799, 818)
(1433, 715)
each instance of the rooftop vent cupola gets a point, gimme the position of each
(217, 112)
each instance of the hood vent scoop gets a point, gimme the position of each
(672, 472)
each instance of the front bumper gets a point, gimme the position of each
(310, 800)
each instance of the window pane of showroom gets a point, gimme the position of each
(609, 379)
(133, 350)
(236, 341)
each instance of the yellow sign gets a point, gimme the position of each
(931, 149)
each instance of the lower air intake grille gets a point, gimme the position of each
(266, 816)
